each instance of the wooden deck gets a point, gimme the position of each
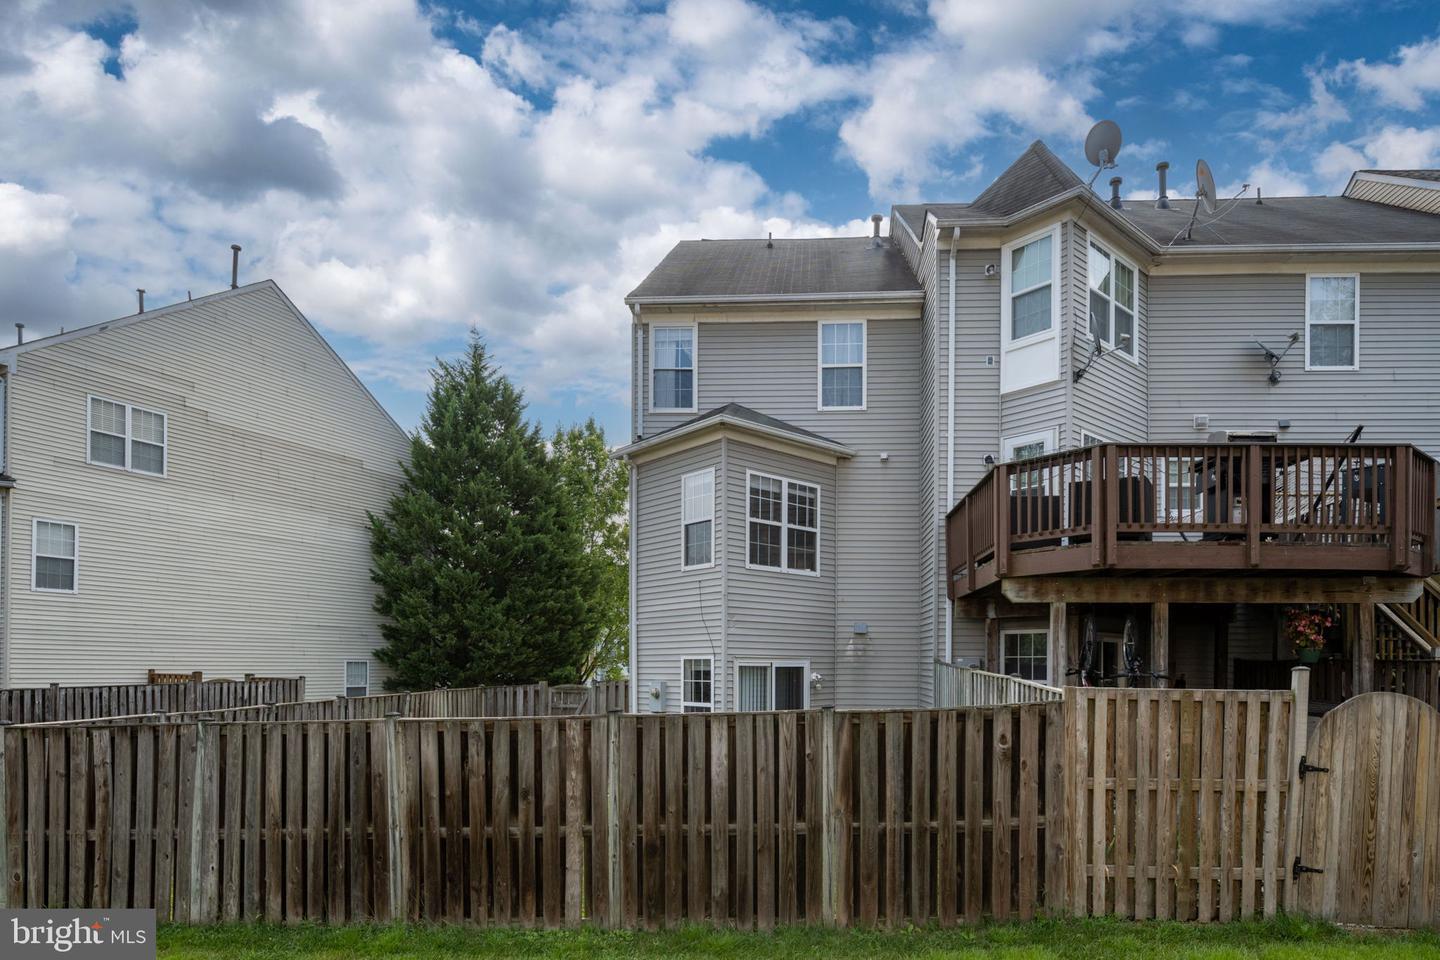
(1197, 509)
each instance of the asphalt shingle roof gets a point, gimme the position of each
(1285, 221)
(757, 268)
(1034, 177)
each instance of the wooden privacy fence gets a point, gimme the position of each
(622, 820)
(528, 700)
(957, 686)
(1178, 801)
(56, 703)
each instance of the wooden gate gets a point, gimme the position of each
(1369, 843)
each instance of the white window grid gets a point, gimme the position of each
(1029, 649)
(1311, 302)
(139, 429)
(54, 540)
(848, 349)
(697, 499)
(697, 685)
(659, 334)
(357, 677)
(784, 508)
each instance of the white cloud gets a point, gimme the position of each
(1406, 82)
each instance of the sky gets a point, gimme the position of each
(408, 171)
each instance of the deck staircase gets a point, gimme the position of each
(1410, 631)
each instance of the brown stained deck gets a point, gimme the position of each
(1197, 510)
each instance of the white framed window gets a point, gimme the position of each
(772, 685)
(1023, 446)
(784, 524)
(55, 556)
(842, 383)
(697, 686)
(672, 369)
(1112, 300)
(1184, 498)
(357, 678)
(1025, 654)
(1332, 321)
(1088, 439)
(126, 437)
(697, 519)
(1030, 310)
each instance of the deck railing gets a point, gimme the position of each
(1361, 507)
(957, 686)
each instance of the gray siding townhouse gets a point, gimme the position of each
(980, 438)
(185, 489)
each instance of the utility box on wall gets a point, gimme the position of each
(654, 697)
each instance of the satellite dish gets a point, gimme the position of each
(1204, 186)
(1102, 144)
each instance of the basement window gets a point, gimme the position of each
(357, 678)
(1025, 654)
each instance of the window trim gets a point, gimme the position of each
(1115, 258)
(702, 706)
(1356, 324)
(36, 554)
(1007, 296)
(1008, 632)
(345, 676)
(804, 666)
(130, 408)
(821, 366)
(784, 524)
(1008, 444)
(684, 523)
(694, 329)
(1095, 438)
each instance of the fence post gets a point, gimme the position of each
(198, 866)
(53, 703)
(831, 829)
(5, 872)
(301, 691)
(1299, 742)
(393, 818)
(612, 815)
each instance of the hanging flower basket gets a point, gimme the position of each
(1306, 628)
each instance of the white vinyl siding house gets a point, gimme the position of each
(210, 466)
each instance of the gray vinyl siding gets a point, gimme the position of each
(1112, 400)
(771, 367)
(977, 405)
(1203, 360)
(252, 554)
(678, 613)
(778, 614)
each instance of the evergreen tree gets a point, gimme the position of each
(597, 485)
(480, 560)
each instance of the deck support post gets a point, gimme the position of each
(1055, 648)
(1160, 640)
(1362, 649)
(992, 645)
(1073, 626)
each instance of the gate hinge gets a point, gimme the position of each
(1310, 768)
(1298, 868)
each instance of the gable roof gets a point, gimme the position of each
(813, 269)
(1407, 174)
(738, 415)
(8, 355)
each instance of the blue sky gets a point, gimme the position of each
(408, 171)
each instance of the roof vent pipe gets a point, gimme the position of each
(19, 334)
(140, 292)
(1259, 200)
(234, 265)
(1162, 198)
(1115, 192)
(875, 219)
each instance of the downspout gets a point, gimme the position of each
(950, 437)
(720, 672)
(637, 369)
(634, 677)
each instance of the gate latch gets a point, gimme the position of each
(1298, 868)
(1310, 768)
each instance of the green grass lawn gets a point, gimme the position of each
(1282, 938)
